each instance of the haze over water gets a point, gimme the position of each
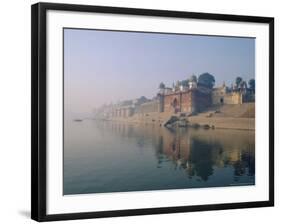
(104, 156)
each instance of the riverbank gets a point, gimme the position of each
(240, 117)
(197, 121)
(224, 122)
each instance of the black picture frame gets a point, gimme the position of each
(38, 108)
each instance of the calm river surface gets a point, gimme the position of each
(104, 156)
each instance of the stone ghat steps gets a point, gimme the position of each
(225, 122)
(246, 110)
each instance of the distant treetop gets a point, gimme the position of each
(193, 78)
(184, 82)
(238, 81)
(252, 84)
(161, 85)
(207, 80)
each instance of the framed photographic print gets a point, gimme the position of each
(140, 111)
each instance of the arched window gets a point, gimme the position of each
(175, 103)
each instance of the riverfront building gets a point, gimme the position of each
(187, 97)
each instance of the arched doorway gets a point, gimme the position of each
(175, 105)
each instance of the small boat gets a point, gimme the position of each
(77, 120)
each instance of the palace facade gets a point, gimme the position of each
(189, 99)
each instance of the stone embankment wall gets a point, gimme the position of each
(230, 117)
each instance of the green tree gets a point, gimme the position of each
(193, 78)
(161, 85)
(184, 82)
(252, 84)
(207, 80)
(238, 81)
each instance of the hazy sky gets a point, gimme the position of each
(107, 66)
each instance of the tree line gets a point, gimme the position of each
(208, 80)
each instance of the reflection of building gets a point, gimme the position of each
(176, 146)
(198, 152)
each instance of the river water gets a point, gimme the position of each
(104, 156)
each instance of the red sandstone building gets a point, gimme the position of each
(189, 100)
(184, 98)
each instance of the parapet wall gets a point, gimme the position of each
(148, 107)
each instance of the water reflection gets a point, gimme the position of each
(162, 158)
(195, 151)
